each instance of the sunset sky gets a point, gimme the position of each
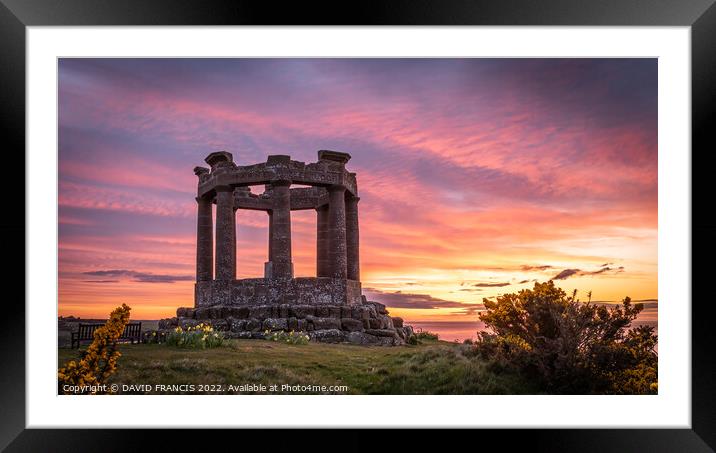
(476, 176)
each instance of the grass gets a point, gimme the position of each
(433, 367)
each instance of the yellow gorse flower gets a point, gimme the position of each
(100, 358)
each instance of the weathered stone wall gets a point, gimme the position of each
(261, 291)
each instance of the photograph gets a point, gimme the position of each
(357, 226)
(469, 218)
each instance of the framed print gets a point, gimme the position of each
(424, 215)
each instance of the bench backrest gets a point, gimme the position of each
(87, 330)
(131, 330)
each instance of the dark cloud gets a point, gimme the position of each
(572, 272)
(535, 268)
(400, 299)
(470, 289)
(491, 285)
(523, 281)
(151, 278)
(109, 273)
(566, 274)
(142, 277)
(100, 281)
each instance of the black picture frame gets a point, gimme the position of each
(16, 15)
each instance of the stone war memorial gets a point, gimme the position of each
(330, 307)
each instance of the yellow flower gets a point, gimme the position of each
(99, 361)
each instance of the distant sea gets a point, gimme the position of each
(460, 330)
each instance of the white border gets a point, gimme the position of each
(671, 408)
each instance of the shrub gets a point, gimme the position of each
(154, 337)
(570, 346)
(99, 360)
(426, 335)
(201, 336)
(287, 337)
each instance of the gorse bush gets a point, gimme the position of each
(567, 345)
(99, 360)
(426, 335)
(201, 336)
(287, 337)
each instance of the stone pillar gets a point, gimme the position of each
(225, 234)
(337, 232)
(204, 241)
(352, 249)
(268, 265)
(270, 236)
(322, 261)
(281, 264)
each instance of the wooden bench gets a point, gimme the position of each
(85, 332)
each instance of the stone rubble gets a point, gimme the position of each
(365, 324)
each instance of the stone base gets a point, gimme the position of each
(268, 291)
(364, 323)
(268, 269)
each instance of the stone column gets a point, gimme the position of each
(204, 241)
(270, 236)
(337, 232)
(281, 264)
(322, 262)
(352, 249)
(268, 265)
(225, 234)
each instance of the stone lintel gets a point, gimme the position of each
(302, 198)
(280, 182)
(313, 176)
